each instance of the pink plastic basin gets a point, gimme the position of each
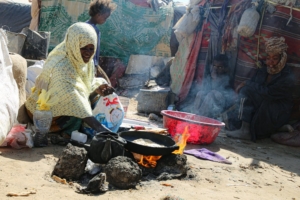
(202, 130)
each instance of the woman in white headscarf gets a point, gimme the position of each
(68, 76)
(265, 102)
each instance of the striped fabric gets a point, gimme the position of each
(273, 25)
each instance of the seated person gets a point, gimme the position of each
(265, 101)
(68, 75)
(217, 93)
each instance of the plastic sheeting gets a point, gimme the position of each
(129, 30)
(14, 15)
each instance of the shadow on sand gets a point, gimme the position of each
(31, 155)
(285, 157)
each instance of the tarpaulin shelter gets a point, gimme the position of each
(14, 15)
(129, 30)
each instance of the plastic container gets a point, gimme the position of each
(202, 130)
(125, 103)
(79, 137)
(153, 100)
(15, 42)
(42, 120)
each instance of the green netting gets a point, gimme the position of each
(129, 30)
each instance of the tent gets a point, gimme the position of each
(195, 54)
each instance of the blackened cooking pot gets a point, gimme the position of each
(168, 142)
(103, 147)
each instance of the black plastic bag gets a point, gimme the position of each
(104, 146)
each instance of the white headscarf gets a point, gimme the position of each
(66, 76)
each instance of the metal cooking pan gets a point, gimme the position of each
(129, 136)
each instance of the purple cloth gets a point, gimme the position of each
(207, 155)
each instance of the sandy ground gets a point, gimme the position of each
(262, 170)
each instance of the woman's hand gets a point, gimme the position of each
(239, 87)
(104, 90)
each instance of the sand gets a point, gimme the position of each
(262, 170)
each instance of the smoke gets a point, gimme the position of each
(210, 98)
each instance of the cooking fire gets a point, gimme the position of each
(126, 159)
(146, 161)
(151, 161)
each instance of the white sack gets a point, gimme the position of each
(187, 24)
(9, 101)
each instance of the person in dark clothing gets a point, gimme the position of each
(265, 102)
(99, 12)
(217, 94)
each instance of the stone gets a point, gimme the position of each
(71, 164)
(171, 166)
(95, 185)
(123, 172)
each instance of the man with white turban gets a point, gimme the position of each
(265, 101)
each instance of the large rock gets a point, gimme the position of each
(123, 172)
(95, 185)
(171, 166)
(71, 164)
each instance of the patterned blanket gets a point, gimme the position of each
(129, 30)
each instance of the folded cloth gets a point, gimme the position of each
(207, 155)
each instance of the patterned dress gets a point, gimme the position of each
(67, 78)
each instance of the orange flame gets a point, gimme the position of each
(181, 140)
(146, 161)
(150, 161)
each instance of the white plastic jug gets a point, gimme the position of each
(79, 137)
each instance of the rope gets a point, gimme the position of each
(102, 74)
(291, 15)
(258, 64)
(276, 4)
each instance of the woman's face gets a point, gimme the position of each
(87, 52)
(272, 59)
